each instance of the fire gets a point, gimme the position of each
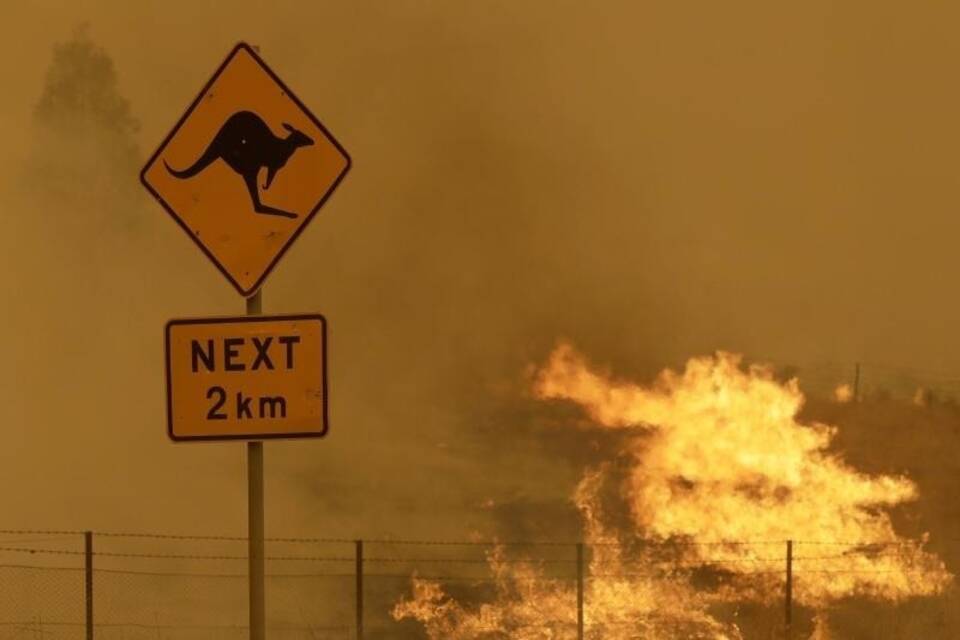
(820, 629)
(921, 397)
(843, 393)
(722, 473)
(523, 596)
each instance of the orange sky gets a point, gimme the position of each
(649, 180)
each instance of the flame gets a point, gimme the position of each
(721, 474)
(821, 628)
(921, 397)
(527, 604)
(843, 393)
(522, 597)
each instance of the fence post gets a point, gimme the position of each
(856, 383)
(359, 572)
(579, 591)
(788, 595)
(88, 580)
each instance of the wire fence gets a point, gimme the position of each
(165, 587)
(869, 381)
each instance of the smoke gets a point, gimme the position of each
(649, 181)
(83, 135)
(719, 473)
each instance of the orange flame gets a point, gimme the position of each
(843, 393)
(722, 474)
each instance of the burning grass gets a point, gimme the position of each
(721, 472)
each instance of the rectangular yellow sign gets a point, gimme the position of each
(246, 378)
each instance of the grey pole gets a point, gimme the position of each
(258, 630)
(88, 580)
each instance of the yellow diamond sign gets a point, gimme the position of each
(245, 169)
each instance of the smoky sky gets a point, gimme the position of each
(651, 181)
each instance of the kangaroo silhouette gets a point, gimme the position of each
(247, 145)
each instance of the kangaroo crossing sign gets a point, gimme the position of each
(251, 377)
(245, 169)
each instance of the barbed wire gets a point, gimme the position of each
(402, 542)
(704, 561)
(161, 574)
(170, 556)
(464, 543)
(140, 625)
(484, 579)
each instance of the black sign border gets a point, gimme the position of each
(163, 145)
(232, 320)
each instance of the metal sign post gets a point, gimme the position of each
(243, 172)
(256, 541)
(255, 533)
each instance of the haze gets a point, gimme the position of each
(650, 181)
